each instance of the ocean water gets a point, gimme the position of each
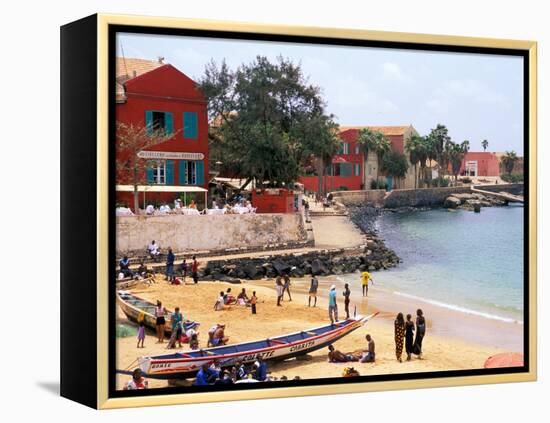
(470, 262)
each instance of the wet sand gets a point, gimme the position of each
(454, 340)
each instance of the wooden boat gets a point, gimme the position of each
(186, 364)
(134, 306)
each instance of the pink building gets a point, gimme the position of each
(480, 164)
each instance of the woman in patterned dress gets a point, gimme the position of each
(399, 335)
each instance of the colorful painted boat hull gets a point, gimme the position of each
(187, 364)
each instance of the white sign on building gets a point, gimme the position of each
(170, 155)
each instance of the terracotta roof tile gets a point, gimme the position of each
(386, 130)
(129, 68)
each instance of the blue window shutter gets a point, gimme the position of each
(199, 169)
(169, 172)
(169, 123)
(149, 121)
(190, 125)
(182, 172)
(150, 174)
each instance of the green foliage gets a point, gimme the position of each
(440, 181)
(268, 121)
(374, 184)
(395, 164)
(512, 178)
(484, 144)
(508, 161)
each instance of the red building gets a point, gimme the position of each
(349, 169)
(159, 97)
(480, 164)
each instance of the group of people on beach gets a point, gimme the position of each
(226, 299)
(404, 334)
(213, 374)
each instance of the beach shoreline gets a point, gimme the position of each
(443, 348)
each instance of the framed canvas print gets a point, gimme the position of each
(254, 211)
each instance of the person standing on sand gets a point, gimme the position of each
(253, 301)
(332, 305)
(177, 325)
(420, 332)
(160, 311)
(346, 294)
(399, 334)
(170, 258)
(409, 337)
(195, 269)
(280, 290)
(313, 286)
(141, 333)
(365, 278)
(286, 286)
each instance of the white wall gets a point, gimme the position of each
(30, 75)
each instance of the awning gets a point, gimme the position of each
(160, 188)
(338, 159)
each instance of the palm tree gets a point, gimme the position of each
(484, 144)
(466, 146)
(382, 146)
(416, 147)
(508, 161)
(440, 139)
(367, 142)
(456, 153)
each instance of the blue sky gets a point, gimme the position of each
(476, 96)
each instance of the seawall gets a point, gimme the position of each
(210, 232)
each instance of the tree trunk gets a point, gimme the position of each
(136, 200)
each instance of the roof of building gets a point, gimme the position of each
(386, 130)
(129, 68)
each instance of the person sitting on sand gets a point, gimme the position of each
(261, 369)
(142, 270)
(194, 342)
(313, 286)
(242, 298)
(242, 372)
(228, 298)
(350, 372)
(224, 378)
(335, 356)
(137, 381)
(220, 302)
(216, 336)
(369, 354)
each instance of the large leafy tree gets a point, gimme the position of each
(395, 164)
(267, 120)
(456, 154)
(508, 161)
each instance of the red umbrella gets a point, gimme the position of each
(504, 360)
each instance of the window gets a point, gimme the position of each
(190, 125)
(344, 148)
(357, 149)
(340, 169)
(160, 172)
(159, 121)
(357, 169)
(191, 172)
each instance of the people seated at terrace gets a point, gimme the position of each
(192, 205)
(124, 264)
(154, 250)
(335, 356)
(165, 208)
(150, 210)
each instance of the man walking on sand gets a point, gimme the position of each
(332, 305)
(286, 286)
(365, 278)
(314, 285)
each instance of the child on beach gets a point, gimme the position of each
(194, 342)
(141, 334)
(253, 301)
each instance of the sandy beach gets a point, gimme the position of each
(448, 345)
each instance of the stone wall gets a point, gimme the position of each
(424, 197)
(515, 189)
(357, 198)
(208, 232)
